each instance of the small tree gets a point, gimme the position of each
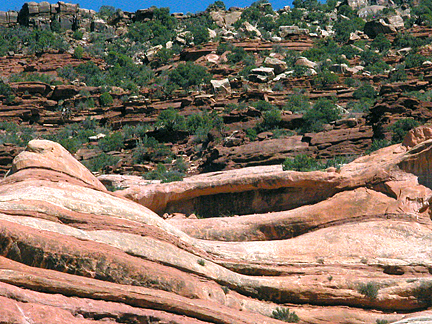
(323, 112)
(106, 99)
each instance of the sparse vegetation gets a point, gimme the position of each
(369, 289)
(285, 315)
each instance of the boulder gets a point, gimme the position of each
(64, 91)
(279, 66)
(285, 31)
(221, 86)
(355, 4)
(303, 61)
(250, 30)
(374, 27)
(262, 74)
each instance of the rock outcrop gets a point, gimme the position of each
(345, 246)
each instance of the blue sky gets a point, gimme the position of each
(133, 5)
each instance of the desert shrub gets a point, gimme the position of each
(378, 67)
(170, 120)
(200, 33)
(306, 163)
(297, 102)
(14, 134)
(251, 133)
(363, 105)
(254, 13)
(325, 78)
(78, 35)
(349, 51)
(284, 314)
(78, 52)
(5, 89)
(323, 112)
(398, 74)
(423, 292)
(148, 149)
(106, 12)
(400, 128)
(370, 57)
(404, 40)
(111, 142)
(263, 105)
(106, 99)
(369, 289)
(301, 162)
(100, 162)
(41, 40)
(343, 28)
(413, 60)
(381, 43)
(163, 174)
(365, 91)
(40, 77)
(271, 120)
(159, 30)
(382, 321)
(201, 123)
(350, 82)
(136, 131)
(189, 75)
(217, 5)
(237, 54)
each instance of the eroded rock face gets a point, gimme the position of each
(354, 247)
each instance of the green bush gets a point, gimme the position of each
(413, 60)
(284, 314)
(398, 74)
(301, 162)
(263, 105)
(381, 43)
(15, 134)
(271, 120)
(78, 35)
(189, 75)
(217, 5)
(5, 89)
(369, 289)
(400, 128)
(106, 99)
(40, 77)
(323, 112)
(78, 52)
(136, 131)
(149, 149)
(237, 55)
(325, 78)
(297, 102)
(377, 145)
(343, 28)
(112, 142)
(159, 30)
(100, 162)
(163, 174)
(171, 121)
(365, 91)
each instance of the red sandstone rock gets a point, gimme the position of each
(108, 257)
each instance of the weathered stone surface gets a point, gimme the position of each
(69, 247)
